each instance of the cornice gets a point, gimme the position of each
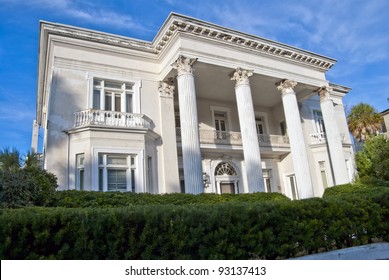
(181, 24)
(178, 24)
(95, 36)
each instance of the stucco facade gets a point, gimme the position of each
(201, 108)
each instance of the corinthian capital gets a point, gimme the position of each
(324, 93)
(286, 86)
(241, 76)
(183, 65)
(165, 89)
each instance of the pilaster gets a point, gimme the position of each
(168, 179)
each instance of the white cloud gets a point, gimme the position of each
(84, 11)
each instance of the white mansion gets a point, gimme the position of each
(201, 108)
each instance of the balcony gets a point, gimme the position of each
(321, 138)
(318, 138)
(235, 138)
(92, 117)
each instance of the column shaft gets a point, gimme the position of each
(251, 153)
(333, 138)
(189, 126)
(296, 139)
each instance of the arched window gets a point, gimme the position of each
(225, 168)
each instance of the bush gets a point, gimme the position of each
(230, 230)
(27, 187)
(74, 199)
(373, 160)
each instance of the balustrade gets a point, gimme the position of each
(111, 119)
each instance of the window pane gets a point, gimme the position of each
(283, 128)
(324, 179)
(117, 180)
(118, 102)
(81, 180)
(118, 160)
(129, 86)
(259, 128)
(133, 180)
(97, 83)
(101, 179)
(113, 85)
(96, 99)
(268, 185)
(129, 103)
(108, 101)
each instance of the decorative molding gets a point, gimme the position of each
(91, 35)
(324, 93)
(166, 89)
(286, 86)
(243, 40)
(183, 65)
(241, 76)
(180, 24)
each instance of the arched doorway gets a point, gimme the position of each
(227, 178)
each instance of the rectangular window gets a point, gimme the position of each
(113, 96)
(293, 186)
(116, 172)
(283, 128)
(259, 123)
(323, 174)
(220, 121)
(319, 121)
(267, 180)
(149, 173)
(182, 180)
(80, 158)
(117, 180)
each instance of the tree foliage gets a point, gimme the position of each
(373, 160)
(23, 182)
(363, 121)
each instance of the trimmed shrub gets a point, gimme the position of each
(74, 199)
(230, 230)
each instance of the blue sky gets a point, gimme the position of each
(354, 32)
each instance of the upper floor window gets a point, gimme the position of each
(283, 128)
(220, 121)
(319, 121)
(113, 96)
(260, 125)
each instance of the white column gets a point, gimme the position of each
(168, 181)
(296, 138)
(34, 139)
(333, 137)
(189, 125)
(252, 156)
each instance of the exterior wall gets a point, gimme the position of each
(71, 64)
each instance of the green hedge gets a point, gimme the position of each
(81, 199)
(230, 230)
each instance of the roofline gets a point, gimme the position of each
(175, 23)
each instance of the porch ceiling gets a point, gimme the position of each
(213, 82)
